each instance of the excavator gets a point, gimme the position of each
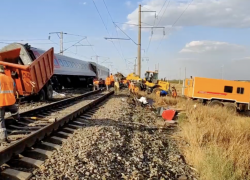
(150, 83)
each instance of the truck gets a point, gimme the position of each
(233, 95)
(32, 79)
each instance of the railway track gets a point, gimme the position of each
(40, 130)
(28, 103)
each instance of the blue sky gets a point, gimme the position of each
(209, 34)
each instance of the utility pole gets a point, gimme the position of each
(139, 38)
(61, 43)
(185, 72)
(139, 43)
(61, 40)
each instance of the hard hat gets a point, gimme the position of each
(1, 69)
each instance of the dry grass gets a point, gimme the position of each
(160, 101)
(217, 142)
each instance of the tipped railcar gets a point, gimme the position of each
(68, 72)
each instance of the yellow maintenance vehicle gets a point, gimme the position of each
(150, 83)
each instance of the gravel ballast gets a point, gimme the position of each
(115, 145)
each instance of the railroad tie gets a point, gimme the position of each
(12, 174)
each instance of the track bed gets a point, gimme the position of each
(26, 132)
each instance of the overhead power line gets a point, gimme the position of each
(174, 23)
(158, 21)
(105, 27)
(126, 34)
(115, 27)
(100, 16)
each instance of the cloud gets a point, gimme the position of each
(207, 13)
(212, 53)
(244, 59)
(186, 59)
(212, 13)
(199, 47)
(83, 3)
(128, 3)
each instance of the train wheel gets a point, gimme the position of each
(49, 92)
(41, 95)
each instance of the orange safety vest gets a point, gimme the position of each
(7, 96)
(174, 93)
(111, 78)
(107, 82)
(96, 82)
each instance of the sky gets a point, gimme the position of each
(205, 38)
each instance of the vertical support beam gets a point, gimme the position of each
(139, 42)
(61, 43)
(185, 72)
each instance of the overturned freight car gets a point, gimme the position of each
(68, 72)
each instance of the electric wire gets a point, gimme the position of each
(174, 24)
(115, 27)
(158, 21)
(105, 25)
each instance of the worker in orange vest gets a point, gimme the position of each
(124, 82)
(95, 84)
(7, 102)
(107, 82)
(174, 92)
(112, 80)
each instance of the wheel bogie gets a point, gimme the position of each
(41, 95)
(49, 92)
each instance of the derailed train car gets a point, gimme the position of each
(68, 72)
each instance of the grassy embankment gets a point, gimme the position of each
(217, 142)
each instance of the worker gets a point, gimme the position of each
(174, 92)
(7, 102)
(131, 86)
(95, 84)
(107, 82)
(117, 86)
(124, 82)
(112, 80)
(101, 83)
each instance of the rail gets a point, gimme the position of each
(18, 147)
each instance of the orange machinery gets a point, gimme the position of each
(33, 78)
(231, 94)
